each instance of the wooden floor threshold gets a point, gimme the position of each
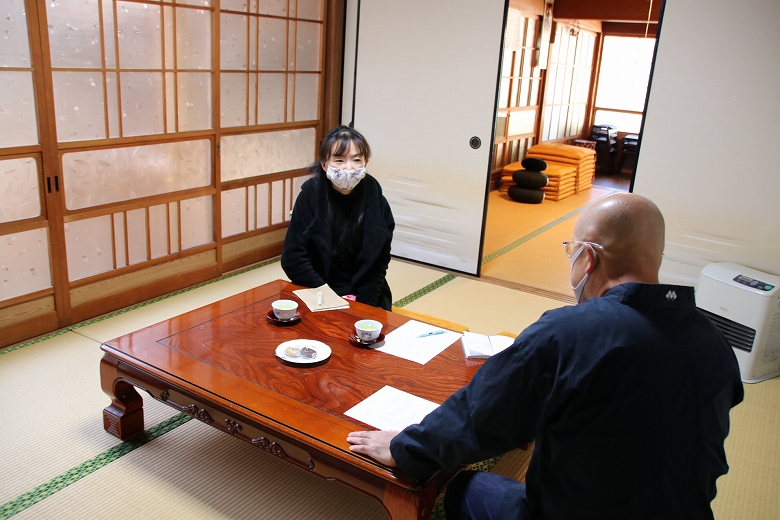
(565, 298)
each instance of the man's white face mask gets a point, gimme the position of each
(345, 180)
(580, 286)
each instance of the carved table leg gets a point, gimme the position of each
(402, 505)
(125, 417)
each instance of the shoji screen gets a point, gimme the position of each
(427, 75)
(708, 155)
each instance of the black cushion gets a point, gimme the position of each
(530, 179)
(533, 164)
(526, 195)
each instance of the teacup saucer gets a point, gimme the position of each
(357, 342)
(271, 318)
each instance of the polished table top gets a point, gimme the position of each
(225, 354)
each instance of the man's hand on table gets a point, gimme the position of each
(375, 444)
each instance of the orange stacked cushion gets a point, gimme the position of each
(584, 159)
(506, 176)
(562, 180)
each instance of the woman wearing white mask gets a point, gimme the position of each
(341, 225)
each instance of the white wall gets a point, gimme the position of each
(710, 151)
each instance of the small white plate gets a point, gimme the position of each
(303, 351)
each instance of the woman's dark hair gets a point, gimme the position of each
(337, 142)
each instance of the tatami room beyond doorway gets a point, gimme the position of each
(587, 87)
(522, 247)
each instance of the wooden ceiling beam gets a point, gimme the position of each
(628, 29)
(607, 10)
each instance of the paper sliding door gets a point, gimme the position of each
(425, 98)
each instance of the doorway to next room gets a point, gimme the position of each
(590, 95)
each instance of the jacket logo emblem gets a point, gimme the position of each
(671, 295)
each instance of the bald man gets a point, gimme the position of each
(626, 395)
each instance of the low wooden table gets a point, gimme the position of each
(218, 365)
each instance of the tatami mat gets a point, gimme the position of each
(523, 241)
(52, 437)
(540, 262)
(507, 220)
(52, 411)
(199, 473)
(751, 488)
(405, 277)
(482, 307)
(515, 464)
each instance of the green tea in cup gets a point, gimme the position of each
(368, 330)
(284, 309)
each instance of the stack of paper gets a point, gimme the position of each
(481, 346)
(321, 298)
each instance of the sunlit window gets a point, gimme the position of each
(622, 85)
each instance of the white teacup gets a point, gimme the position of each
(368, 330)
(284, 309)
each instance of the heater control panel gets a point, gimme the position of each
(752, 282)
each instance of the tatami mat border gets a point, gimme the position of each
(532, 234)
(406, 300)
(36, 340)
(136, 306)
(73, 475)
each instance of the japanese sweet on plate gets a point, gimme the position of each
(303, 351)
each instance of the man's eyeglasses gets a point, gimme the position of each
(570, 247)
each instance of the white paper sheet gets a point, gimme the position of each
(391, 409)
(405, 343)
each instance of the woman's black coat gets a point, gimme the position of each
(306, 257)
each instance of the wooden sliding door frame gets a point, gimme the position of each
(55, 215)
